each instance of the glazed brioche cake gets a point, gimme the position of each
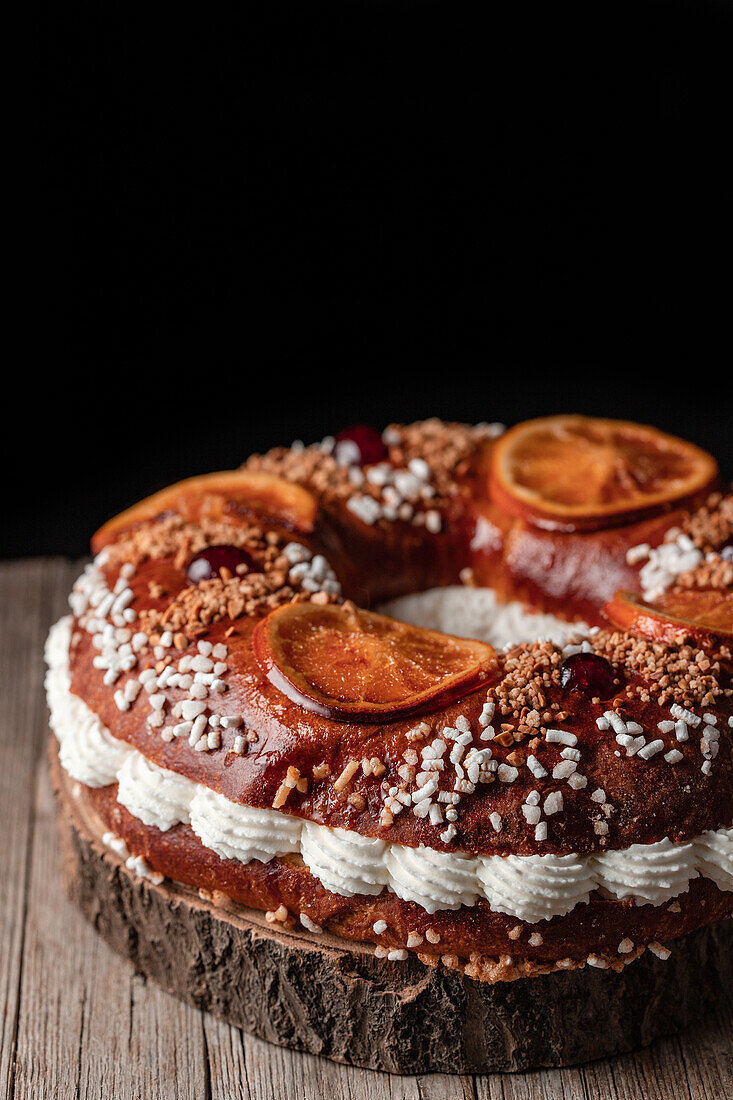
(458, 693)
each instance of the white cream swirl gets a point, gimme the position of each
(345, 862)
(536, 888)
(154, 795)
(435, 880)
(87, 750)
(530, 888)
(714, 857)
(477, 613)
(648, 873)
(241, 832)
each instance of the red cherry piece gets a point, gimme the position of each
(590, 674)
(360, 445)
(208, 563)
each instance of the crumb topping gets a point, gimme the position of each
(667, 673)
(314, 466)
(290, 572)
(712, 524)
(715, 572)
(446, 448)
(529, 671)
(703, 539)
(173, 537)
(197, 606)
(413, 485)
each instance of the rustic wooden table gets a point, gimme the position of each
(78, 1022)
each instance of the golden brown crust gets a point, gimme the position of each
(569, 574)
(644, 799)
(651, 798)
(362, 777)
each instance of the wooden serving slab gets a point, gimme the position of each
(314, 992)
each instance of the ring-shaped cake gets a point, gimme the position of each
(447, 704)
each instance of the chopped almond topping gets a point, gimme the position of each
(281, 796)
(228, 595)
(173, 537)
(418, 733)
(279, 916)
(681, 674)
(712, 524)
(291, 781)
(373, 766)
(346, 775)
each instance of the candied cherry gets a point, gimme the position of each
(360, 445)
(208, 563)
(590, 674)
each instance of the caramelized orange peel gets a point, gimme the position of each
(358, 666)
(584, 473)
(217, 496)
(702, 617)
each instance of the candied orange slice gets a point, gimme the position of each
(585, 472)
(216, 496)
(358, 666)
(703, 617)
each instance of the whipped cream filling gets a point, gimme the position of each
(530, 888)
(344, 862)
(87, 751)
(154, 795)
(537, 888)
(714, 857)
(476, 613)
(648, 873)
(251, 834)
(435, 880)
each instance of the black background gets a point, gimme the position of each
(261, 228)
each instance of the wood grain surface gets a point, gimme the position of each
(78, 1022)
